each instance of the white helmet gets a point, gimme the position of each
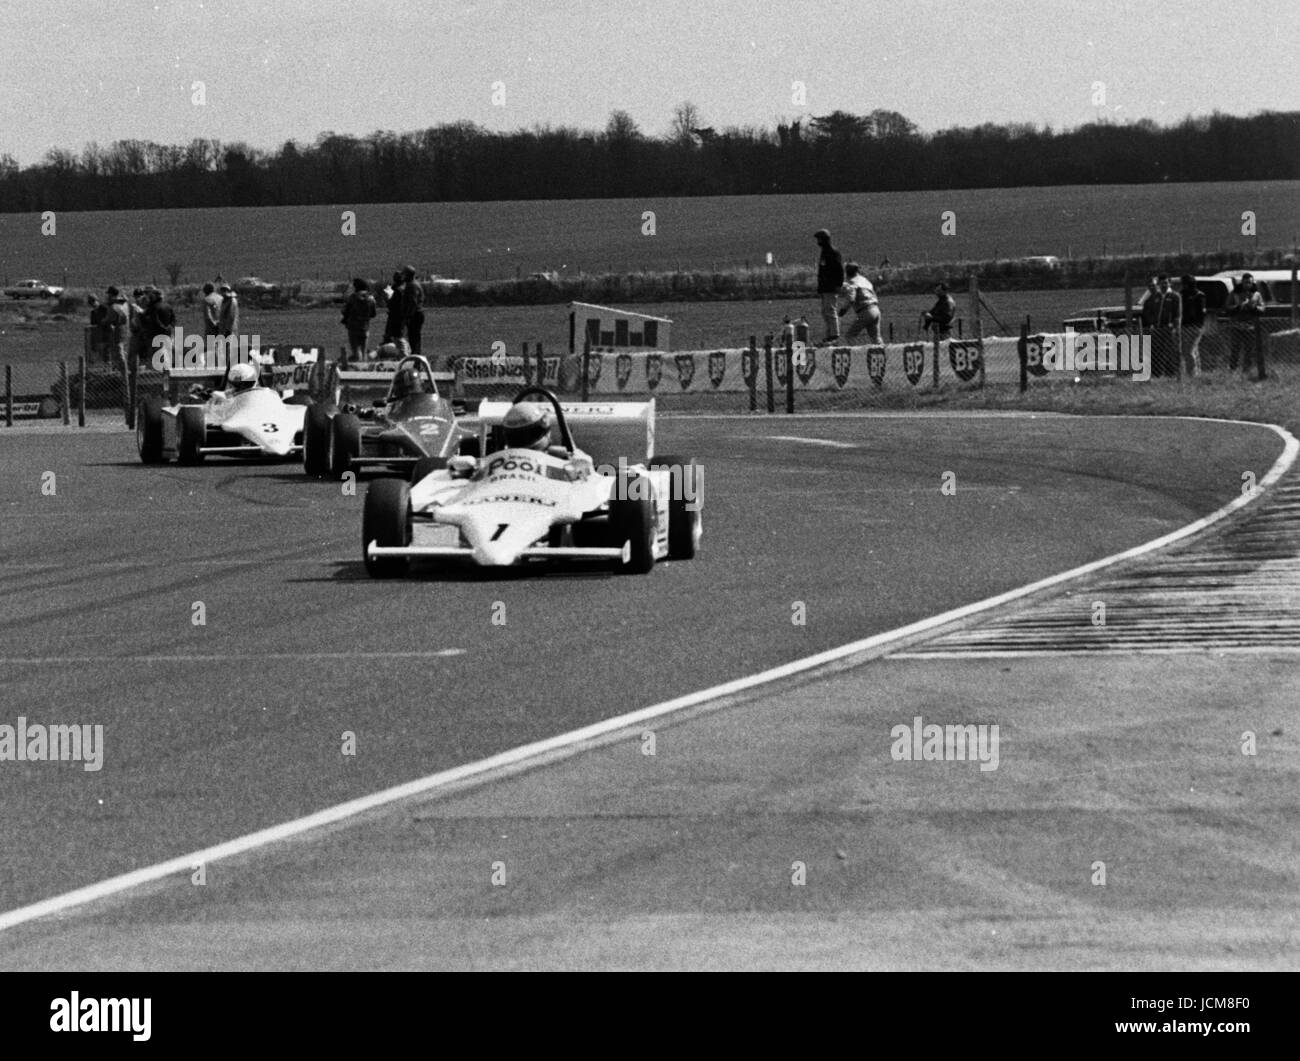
(242, 377)
(527, 426)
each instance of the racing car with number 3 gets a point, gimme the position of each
(253, 409)
(534, 495)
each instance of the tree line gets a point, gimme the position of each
(836, 152)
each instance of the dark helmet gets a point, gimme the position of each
(527, 425)
(406, 383)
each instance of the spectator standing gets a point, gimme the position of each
(394, 327)
(98, 337)
(860, 296)
(117, 325)
(358, 312)
(139, 345)
(1245, 307)
(412, 308)
(830, 280)
(1162, 316)
(211, 310)
(228, 317)
(940, 316)
(1193, 310)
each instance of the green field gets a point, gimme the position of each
(496, 240)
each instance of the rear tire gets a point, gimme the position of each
(149, 431)
(191, 432)
(684, 526)
(386, 521)
(316, 441)
(345, 444)
(633, 521)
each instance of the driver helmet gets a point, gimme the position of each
(527, 426)
(406, 383)
(388, 352)
(243, 377)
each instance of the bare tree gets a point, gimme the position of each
(686, 116)
(173, 272)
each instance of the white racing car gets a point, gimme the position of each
(535, 495)
(253, 410)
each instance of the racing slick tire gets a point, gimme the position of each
(149, 431)
(191, 430)
(316, 441)
(386, 520)
(424, 466)
(633, 520)
(684, 525)
(345, 444)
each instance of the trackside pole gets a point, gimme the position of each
(789, 374)
(753, 379)
(63, 386)
(1022, 348)
(132, 384)
(767, 371)
(977, 322)
(936, 359)
(1128, 303)
(9, 396)
(541, 369)
(81, 399)
(1295, 296)
(586, 360)
(1259, 349)
(528, 369)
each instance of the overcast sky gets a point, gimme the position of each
(73, 71)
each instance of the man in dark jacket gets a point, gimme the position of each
(358, 312)
(1162, 314)
(117, 324)
(830, 278)
(394, 326)
(1193, 299)
(412, 308)
(941, 314)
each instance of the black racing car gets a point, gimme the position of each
(411, 425)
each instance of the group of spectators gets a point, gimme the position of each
(125, 329)
(404, 302)
(842, 287)
(1174, 318)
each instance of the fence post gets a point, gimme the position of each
(541, 366)
(1262, 373)
(767, 368)
(977, 322)
(528, 372)
(753, 379)
(586, 360)
(9, 396)
(789, 374)
(1295, 295)
(81, 400)
(1128, 303)
(936, 359)
(1022, 348)
(891, 331)
(66, 395)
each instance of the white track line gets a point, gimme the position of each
(222, 657)
(574, 741)
(812, 441)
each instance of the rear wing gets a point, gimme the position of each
(283, 368)
(605, 430)
(373, 378)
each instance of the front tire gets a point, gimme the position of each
(345, 444)
(633, 520)
(316, 441)
(149, 431)
(192, 431)
(685, 526)
(386, 521)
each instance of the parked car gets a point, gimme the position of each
(33, 289)
(255, 287)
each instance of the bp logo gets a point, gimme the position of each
(964, 355)
(593, 368)
(1033, 348)
(805, 362)
(622, 370)
(654, 369)
(717, 367)
(749, 367)
(685, 370)
(841, 364)
(914, 362)
(876, 364)
(782, 363)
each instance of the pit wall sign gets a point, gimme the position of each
(823, 368)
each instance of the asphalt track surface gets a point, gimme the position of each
(217, 730)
